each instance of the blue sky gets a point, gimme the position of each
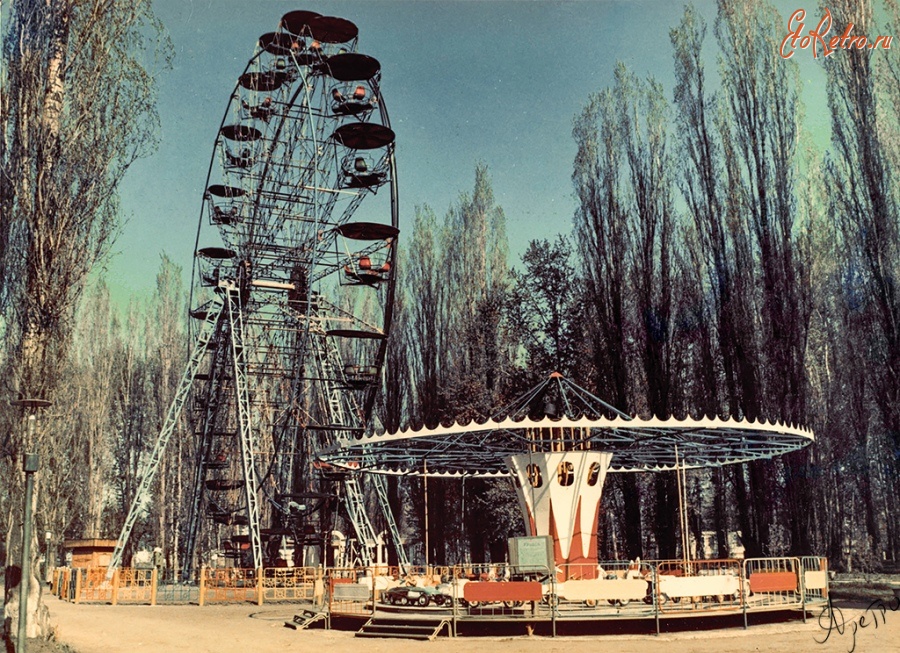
(464, 81)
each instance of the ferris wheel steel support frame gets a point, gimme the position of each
(380, 484)
(205, 335)
(210, 414)
(354, 497)
(248, 444)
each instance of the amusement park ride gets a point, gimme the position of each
(293, 306)
(293, 294)
(558, 442)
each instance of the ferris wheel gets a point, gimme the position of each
(293, 292)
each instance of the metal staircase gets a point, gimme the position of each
(306, 618)
(405, 627)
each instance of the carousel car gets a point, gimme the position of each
(419, 596)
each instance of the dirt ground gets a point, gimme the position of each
(244, 628)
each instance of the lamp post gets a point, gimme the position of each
(47, 537)
(30, 464)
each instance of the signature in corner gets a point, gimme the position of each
(831, 619)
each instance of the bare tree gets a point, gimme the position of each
(94, 379)
(134, 416)
(760, 148)
(425, 331)
(543, 310)
(702, 186)
(864, 99)
(453, 285)
(166, 351)
(626, 225)
(475, 251)
(644, 128)
(604, 238)
(77, 109)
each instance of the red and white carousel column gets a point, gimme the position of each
(559, 495)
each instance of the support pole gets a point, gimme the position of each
(682, 520)
(425, 474)
(202, 596)
(30, 465)
(115, 587)
(248, 441)
(172, 418)
(687, 521)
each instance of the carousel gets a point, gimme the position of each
(557, 443)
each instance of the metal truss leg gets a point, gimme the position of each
(330, 370)
(356, 510)
(248, 442)
(175, 408)
(381, 491)
(210, 412)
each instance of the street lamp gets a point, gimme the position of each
(30, 464)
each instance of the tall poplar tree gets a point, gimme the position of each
(77, 109)
(760, 135)
(862, 174)
(604, 236)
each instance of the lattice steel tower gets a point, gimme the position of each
(293, 292)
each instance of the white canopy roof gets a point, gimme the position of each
(480, 449)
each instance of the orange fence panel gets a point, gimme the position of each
(292, 584)
(487, 592)
(93, 586)
(135, 585)
(773, 582)
(229, 585)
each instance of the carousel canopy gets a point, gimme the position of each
(558, 415)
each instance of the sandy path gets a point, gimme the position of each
(231, 629)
